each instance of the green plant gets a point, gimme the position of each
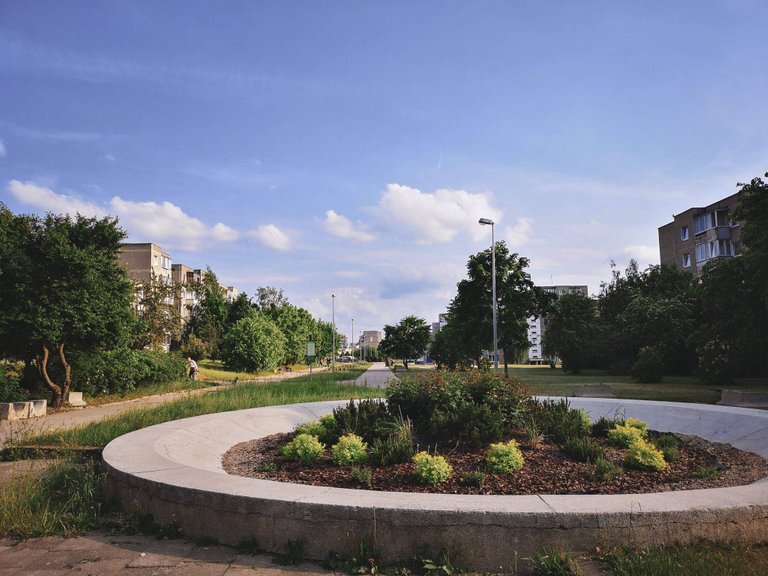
(362, 475)
(582, 450)
(349, 450)
(605, 469)
(397, 447)
(504, 457)
(637, 423)
(624, 435)
(432, 470)
(644, 456)
(294, 554)
(474, 478)
(708, 473)
(303, 448)
(553, 563)
(602, 425)
(559, 421)
(668, 444)
(533, 436)
(313, 428)
(369, 418)
(649, 366)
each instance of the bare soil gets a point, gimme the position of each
(547, 470)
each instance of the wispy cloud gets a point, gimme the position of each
(341, 227)
(435, 218)
(3, 149)
(271, 236)
(517, 236)
(643, 254)
(59, 135)
(160, 222)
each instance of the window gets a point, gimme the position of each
(684, 233)
(704, 222)
(686, 260)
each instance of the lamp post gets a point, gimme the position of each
(352, 340)
(333, 332)
(489, 222)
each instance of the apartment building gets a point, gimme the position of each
(698, 235)
(537, 327)
(144, 261)
(369, 339)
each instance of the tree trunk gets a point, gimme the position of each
(58, 392)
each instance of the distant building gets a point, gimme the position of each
(537, 327)
(145, 260)
(698, 235)
(369, 340)
(442, 320)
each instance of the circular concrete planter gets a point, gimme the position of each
(173, 471)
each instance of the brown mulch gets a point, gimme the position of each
(547, 470)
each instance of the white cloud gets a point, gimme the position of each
(163, 223)
(517, 235)
(271, 236)
(46, 199)
(340, 226)
(109, 157)
(3, 149)
(438, 217)
(643, 254)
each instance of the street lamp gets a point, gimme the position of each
(333, 332)
(489, 222)
(352, 340)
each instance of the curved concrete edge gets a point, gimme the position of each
(174, 472)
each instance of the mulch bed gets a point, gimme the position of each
(547, 470)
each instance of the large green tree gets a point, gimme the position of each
(62, 290)
(208, 318)
(157, 311)
(409, 338)
(254, 344)
(572, 325)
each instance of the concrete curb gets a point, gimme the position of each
(174, 472)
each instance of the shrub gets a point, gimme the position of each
(474, 478)
(668, 445)
(362, 475)
(313, 428)
(504, 457)
(637, 423)
(624, 435)
(432, 470)
(253, 344)
(303, 448)
(349, 450)
(649, 366)
(559, 421)
(601, 427)
(10, 387)
(368, 418)
(395, 448)
(583, 450)
(644, 456)
(605, 469)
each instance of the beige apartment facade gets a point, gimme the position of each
(698, 235)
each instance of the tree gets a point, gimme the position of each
(156, 309)
(753, 212)
(254, 344)
(297, 325)
(62, 290)
(571, 330)
(516, 299)
(446, 348)
(208, 318)
(408, 339)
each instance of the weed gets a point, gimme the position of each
(293, 556)
(707, 473)
(553, 563)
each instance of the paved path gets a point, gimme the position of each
(378, 376)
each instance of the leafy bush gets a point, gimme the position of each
(504, 457)
(432, 470)
(368, 418)
(10, 387)
(473, 406)
(583, 450)
(303, 448)
(649, 366)
(124, 370)
(349, 450)
(559, 421)
(624, 435)
(605, 469)
(474, 478)
(254, 344)
(637, 423)
(313, 428)
(644, 456)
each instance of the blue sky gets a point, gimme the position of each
(349, 148)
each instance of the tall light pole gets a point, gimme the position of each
(333, 332)
(352, 340)
(489, 222)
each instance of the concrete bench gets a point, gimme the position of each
(22, 410)
(744, 399)
(593, 391)
(74, 400)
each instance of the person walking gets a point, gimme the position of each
(192, 368)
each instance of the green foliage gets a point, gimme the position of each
(408, 339)
(123, 370)
(11, 389)
(303, 448)
(313, 428)
(349, 450)
(644, 456)
(558, 421)
(605, 470)
(624, 435)
(668, 444)
(554, 563)
(254, 344)
(432, 470)
(583, 450)
(603, 425)
(362, 475)
(572, 331)
(504, 457)
(396, 447)
(708, 473)
(470, 406)
(368, 418)
(649, 366)
(474, 478)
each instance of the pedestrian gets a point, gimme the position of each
(192, 369)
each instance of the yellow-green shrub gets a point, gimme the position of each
(432, 470)
(349, 450)
(305, 448)
(624, 435)
(645, 456)
(504, 457)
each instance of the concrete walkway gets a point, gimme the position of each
(377, 376)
